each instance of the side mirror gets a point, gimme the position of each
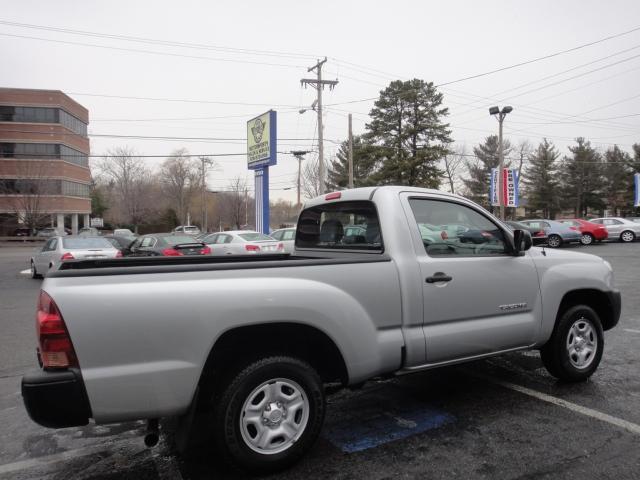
(522, 241)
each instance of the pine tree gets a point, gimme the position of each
(409, 134)
(479, 170)
(617, 174)
(364, 159)
(540, 180)
(582, 180)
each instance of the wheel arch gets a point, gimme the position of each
(598, 300)
(242, 345)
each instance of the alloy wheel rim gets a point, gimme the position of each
(627, 236)
(582, 343)
(274, 416)
(586, 239)
(554, 241)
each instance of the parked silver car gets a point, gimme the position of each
(242, 242)
(619, 228)
(287, 236)
(72, 247)
(558, 233)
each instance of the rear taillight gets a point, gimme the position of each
(118, 254)
(540, 233)
(281, 246)
(56, 349)
(205, 250)
(67, 256)
(332, 196)
(252, 248)
(171, 252)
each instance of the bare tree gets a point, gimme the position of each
(181, 178)
(128, 181)
(27, 193)
(453, 166)
(310, 180)
(523, 152)
(235, 201)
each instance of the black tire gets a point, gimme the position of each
(627, 236)
(554, 241)
(229, 411)
(34, 272)
(587, 239)
(555, 354)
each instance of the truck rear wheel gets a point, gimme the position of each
(575, 348)
(269, 414)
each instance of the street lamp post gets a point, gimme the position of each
(500, 115)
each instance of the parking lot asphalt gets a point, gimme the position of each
(502, 418)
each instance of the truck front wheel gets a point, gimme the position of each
(575, 348)
(269, 414)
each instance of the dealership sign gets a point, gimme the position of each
(261, 140)
(636, 198)
(509, 187)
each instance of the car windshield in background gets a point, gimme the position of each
(85, 242)
(343, 225)
(178, 239)
(255, 237)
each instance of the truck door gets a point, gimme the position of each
(478, 297)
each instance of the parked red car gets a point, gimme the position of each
(590, 231)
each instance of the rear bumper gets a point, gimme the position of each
(615, 302)
(56, 399)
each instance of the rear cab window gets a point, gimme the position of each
(352, 225)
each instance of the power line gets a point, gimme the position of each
(545, 57)
(150, 52)
(154, 41)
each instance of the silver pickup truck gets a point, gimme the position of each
(243, 347)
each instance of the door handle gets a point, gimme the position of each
(439, 277)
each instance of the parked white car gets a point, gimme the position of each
(287, 236)
(242, 242)
(187, 230)
(72, 247)
(619, 228)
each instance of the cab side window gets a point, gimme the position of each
(453, 229)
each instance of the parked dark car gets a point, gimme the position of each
(120, 242)
(538, 235)
(23, 232)
(167, 245)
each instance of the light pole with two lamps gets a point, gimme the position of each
(500, 114)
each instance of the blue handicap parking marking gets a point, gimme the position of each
(378, 417)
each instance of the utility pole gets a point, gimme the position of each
(205, 161)
(299, 154)
(318, 83)
(350, 154)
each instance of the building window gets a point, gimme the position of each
(39, 186)
(43, 115)
(43, 151)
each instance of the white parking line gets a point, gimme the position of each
(589, 412)
(26, 272)
(631, 330)
(69, 455)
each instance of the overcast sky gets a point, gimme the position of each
(368, 44)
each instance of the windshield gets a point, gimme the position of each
(86, 242)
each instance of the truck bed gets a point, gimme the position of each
(141, 265)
